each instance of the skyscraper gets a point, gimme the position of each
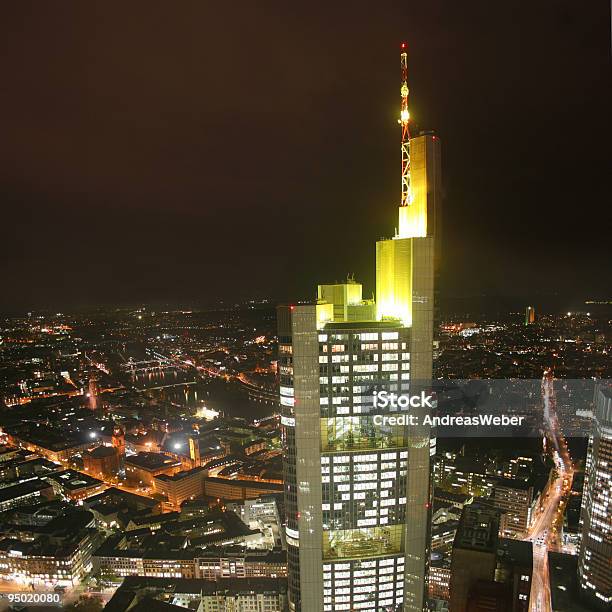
(358, 489)
(595, 557)
(529, 315)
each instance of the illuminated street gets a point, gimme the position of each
(546, 528)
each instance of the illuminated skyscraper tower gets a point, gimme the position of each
(358, 490)
(594, 561)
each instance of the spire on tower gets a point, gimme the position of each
(403, 121)
(412, 217)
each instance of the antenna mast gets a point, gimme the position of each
(403, 121)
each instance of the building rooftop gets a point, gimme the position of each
(516, 552)
(478, 528)
(72, 480)
(22, 488)
(363, 325)
(440, 560)
(195, 586)
(455, 499)
(59, 548)
(102, 451)
(511, 483)
(149, 604)
(48, 438)
(251, 484)
(564, 583)
(119, 496)
(151, 461)
(181, 475)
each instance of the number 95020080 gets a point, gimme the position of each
(27, 598)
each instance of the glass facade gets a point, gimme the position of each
(594, 570)
(363, 466)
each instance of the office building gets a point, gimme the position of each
(25, 492)
(488, 572)
(140, 469)
(595, 557)
(219, 595)
(529, 315)
(357, 488)
(55, 548)
(474, 553)
(238, 488)
(439, 577)
(75, 486)
(514, 498)
(563, 584)
(180, 486)
(169, 558)
(514, 569)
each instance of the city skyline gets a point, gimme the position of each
(142, 136)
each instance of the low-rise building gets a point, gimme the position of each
(514, 498)
(231, 489)
(116, 563)
(54, 550)
(142, 468)
(487, 568)
(48, 443)
(181, 485)
(75, 486)
(213, 546)
(25, 492)
(222, 595)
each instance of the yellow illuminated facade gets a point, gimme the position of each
(394, 280)
(395, 257)
(341, 295)
(413, 217)
(325, 314)
(343, 302)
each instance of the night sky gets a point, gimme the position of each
(193, 151)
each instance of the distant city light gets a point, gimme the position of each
(92, 434)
